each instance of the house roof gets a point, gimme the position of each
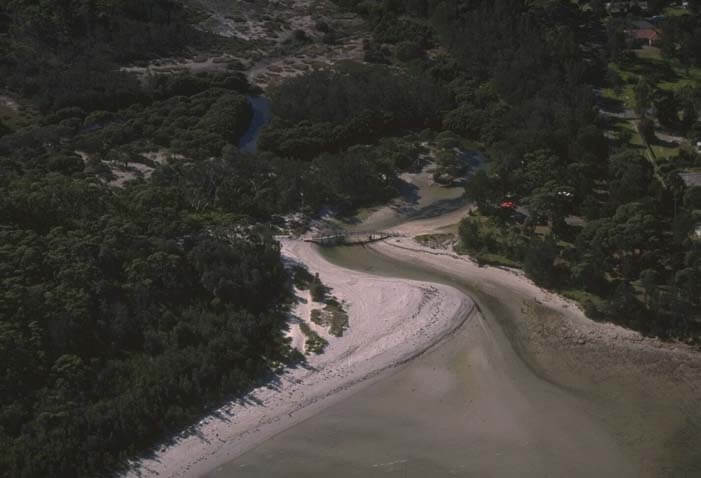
(645, 34)
(642, 25)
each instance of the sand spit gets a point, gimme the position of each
(391, 322)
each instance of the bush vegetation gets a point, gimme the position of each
(599, 217)
(127, 312)
(315, 343)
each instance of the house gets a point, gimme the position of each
(691, 178)
(649, 37)
(643, 33)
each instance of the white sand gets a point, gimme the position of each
(391, 321)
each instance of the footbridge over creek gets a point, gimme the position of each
(349, 238)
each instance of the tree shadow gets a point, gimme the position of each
(613, 105)
(663, 143)
(440, 207)
(408, 196)
(655, 70)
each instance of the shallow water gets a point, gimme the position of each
(469, 407)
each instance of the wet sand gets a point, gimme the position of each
(470, 407)
(391, 321)
(529, 387)
(646, 392)
(533, 388)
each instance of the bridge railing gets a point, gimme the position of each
(354, 237)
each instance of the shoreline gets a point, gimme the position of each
(517, 282)
(645, 391)
(416, 316)
(623, 377)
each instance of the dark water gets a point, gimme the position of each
(261, 117)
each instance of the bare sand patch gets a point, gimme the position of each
(391, 321)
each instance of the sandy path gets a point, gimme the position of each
(391, 321)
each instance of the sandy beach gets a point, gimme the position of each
(627, 395)
(645, 391)
(391, 321)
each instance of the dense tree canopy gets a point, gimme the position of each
(523, 77)
(119, 311)
(126, 311)
(327, 111)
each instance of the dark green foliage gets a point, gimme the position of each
(681, 38)
(317, 289)
(357, 104)
(332, 316)
(500, 236)
(314, 342)
(526, 94)
(630, 177)
(337, 317)
(539, 261)
(122, 318)
(68, 55)
(692, 198)
(390, 30)
(315, 316)
(125, 313)
(301, 277)
(471, 235)
(646, 128)
(409, 50)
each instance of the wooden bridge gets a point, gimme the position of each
(349, 238)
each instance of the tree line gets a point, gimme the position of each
(600, 220)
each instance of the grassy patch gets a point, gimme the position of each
(488, 258)
(663, 152)
(649, 53)
(582, 296)
(492, 241)
(624, 95)
(303, 280)
(338, 318)
(592, 304)
(435, 241)
(314, 343)
(332, 316)
(666, 74)
(685, 78)
(675, 11)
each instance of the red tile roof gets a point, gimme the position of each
(646, 34)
